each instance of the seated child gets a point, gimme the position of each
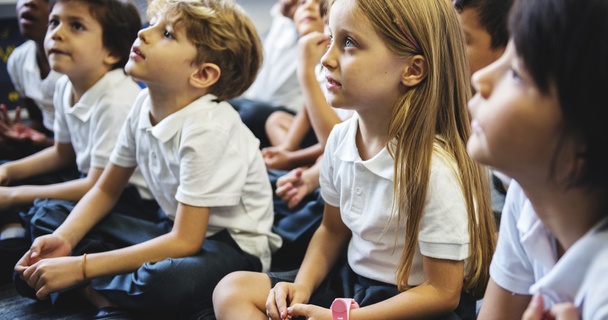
(91, 100)
(539, 117)
(34, 80)
(484, 23)
(201, 163)
(403, 201)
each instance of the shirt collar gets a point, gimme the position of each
(170, 126)
(564, 281)
(381, 164)
(84, 108)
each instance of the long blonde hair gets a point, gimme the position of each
(430, 28)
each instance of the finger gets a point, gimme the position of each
(294, 201)
(280, 298)
(282, 190)
(289, 194)
(271, 309)
(535, 308)
(298, 310)
(17, 115)
(7, 119)
(563, 311)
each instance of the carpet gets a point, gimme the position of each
(15, 307)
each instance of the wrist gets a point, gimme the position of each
(340, 308)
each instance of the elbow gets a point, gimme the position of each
(451, 301)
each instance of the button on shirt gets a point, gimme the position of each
(92, 125)
(525, 261)
(363, 190)
(204, 156)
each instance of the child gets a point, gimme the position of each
(276, 86)
(401, 194)
(34, 80)
(202, 165)
(89, 42)
(539, 117)
(484, 23)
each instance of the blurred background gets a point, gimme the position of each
(11, 38)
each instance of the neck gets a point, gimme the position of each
(41, 59)
(80, 85)
(165, 102)
(372, 135)
(568, 212)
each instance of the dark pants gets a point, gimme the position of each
(255, 113)
(295, 226)
(343, 282)
(171, 287)
(11, 250)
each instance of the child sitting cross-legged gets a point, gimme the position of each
(201, 163)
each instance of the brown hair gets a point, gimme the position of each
(223, 34)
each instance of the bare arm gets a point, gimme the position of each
(53, 158)
(72, 190)
(322, 117)
(499, 303)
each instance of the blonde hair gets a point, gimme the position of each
(223, 34)
(430, 28)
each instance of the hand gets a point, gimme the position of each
(16, 130)
(309, 311)
(560, 311)
(53, 274)
(48, 246)
(311, 47)
(283, 295)
(293, 187)
(277, 158)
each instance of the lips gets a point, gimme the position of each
(55, 51)
(332, 81)
(135, 52)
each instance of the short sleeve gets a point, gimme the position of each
(511, 268)
(329, 191)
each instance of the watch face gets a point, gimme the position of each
(339, 306)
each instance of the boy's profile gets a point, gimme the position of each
(201, 163)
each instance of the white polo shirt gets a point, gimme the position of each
(92, 125)
(363, 190)
(25, 76)
(525, 260)
(277, 81)
(204, 156)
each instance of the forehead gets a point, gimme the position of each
(74, 9)
(346, 14)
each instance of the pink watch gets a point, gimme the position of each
(340, 308)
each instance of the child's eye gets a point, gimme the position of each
(348, 43)
(514, 74)
(53, 23)
(77, 26)
(168, 34)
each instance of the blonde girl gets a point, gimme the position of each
(403, 200)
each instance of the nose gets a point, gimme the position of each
(328, 59)
(55, 33)
(142, 34)
(483, 80)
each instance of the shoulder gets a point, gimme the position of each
(595, 304)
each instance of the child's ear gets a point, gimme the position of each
(205, 76)
(111, 59)
(415, 71)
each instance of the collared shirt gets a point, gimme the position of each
(204, 156)
(277, 82)
(363, 190)
(25, 76)
(526, 261)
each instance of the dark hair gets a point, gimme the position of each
(120, 22)
(564, 45)
(493, 16)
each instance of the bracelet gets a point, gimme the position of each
(84, 267)
(340, 308)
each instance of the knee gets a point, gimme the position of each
(241, 290)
